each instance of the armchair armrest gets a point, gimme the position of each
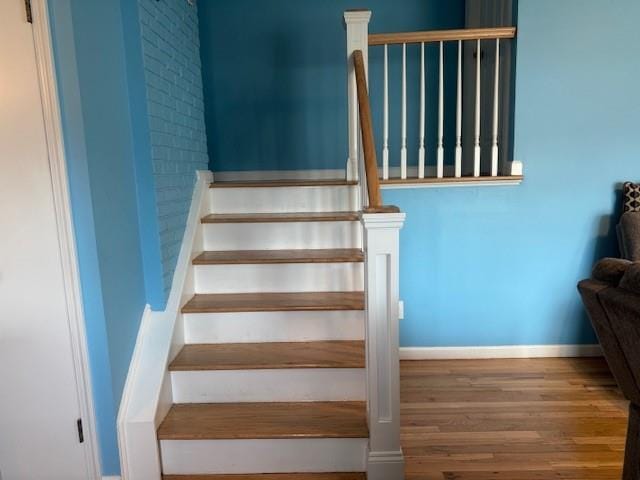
(610, 270)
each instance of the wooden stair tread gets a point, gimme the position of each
(254, 356)
(333, 182)
(226, 421)
(274, 302)
(272, 476)
(233, 257)
(281, 217)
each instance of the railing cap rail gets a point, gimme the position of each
(442, 35)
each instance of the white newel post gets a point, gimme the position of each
(357, 26)
(385, 460)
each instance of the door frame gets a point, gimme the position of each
(64, 221)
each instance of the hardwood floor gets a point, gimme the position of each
(534, 419)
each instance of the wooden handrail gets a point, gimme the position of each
(442, 35)
(366, 126)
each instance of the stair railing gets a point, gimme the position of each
(381, 232)
(480, 157)
(368, 142)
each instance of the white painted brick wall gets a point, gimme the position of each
(171, 51)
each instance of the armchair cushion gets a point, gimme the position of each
(629, 233)
(631, 279)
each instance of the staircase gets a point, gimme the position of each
(271, 378)
(276, 357)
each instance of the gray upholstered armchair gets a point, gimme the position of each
(612, 299)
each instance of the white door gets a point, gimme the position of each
(39, 397)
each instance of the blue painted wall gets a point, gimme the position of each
(98, 138)
(140, 129)
(275, 77)
(498, 266)
(133, 118)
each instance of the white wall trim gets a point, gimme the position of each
(64, 220)
(507, 351)
(125, 401)
(111, 478)
(144, 399)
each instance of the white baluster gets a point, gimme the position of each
(403, 149)
(476, 149)
(421, 155)
(496, 103)
(385, 144)
(458, 166)
(440, 165)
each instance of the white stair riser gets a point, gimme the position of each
(286, 235)
(277, 385)
(255, 327)
(189, 457)
(283, 199)
(298, 277)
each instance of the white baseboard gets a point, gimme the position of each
(114, 477)
(279, 175)
(508, 351)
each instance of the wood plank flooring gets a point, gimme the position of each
(533, 419)
(281, 217)
(221, 421)
(252, 356)
(274, 302)
(236, 257)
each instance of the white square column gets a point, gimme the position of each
(385, 460)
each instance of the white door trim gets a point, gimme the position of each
(66, 237)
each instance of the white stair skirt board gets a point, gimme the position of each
(147, 396)
(254, 327)
(249, 175)
(286, 235)
(263, 456)
(509, 351)
(277, 385)
(284, 199)
(300, 277)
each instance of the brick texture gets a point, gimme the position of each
(171, 53)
